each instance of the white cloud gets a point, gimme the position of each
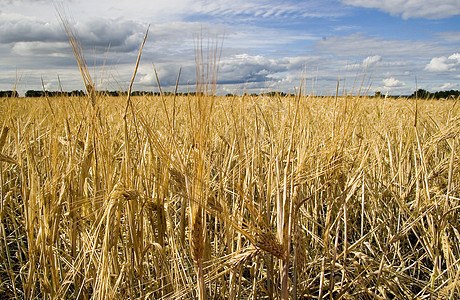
(447, 86)
(392, 82)
(178, 10)
(455, 56)
(443, 63)
(361, 45)
(371, 60)
(450, 36)
(346, 28)
(48, 86)
(41, 49)
(267, 8)
(141, 10)
(427, 9)
(147, 79)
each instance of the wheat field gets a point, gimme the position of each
(179, 197)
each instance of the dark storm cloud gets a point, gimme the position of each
(238, 69)
(245, 68)
(120, 35)
(16, 28)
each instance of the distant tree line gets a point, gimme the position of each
(34, 93)
(9, 94)
(39, 93)
(420, 93)
(277, 94)
(268, 94)
(424, 94)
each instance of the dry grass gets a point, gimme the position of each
(254, 197)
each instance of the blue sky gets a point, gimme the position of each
(267, 45)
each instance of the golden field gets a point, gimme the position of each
(229, 198)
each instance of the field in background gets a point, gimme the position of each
(229, 198)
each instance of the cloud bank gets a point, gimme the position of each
(444, 64)
(427, 9)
